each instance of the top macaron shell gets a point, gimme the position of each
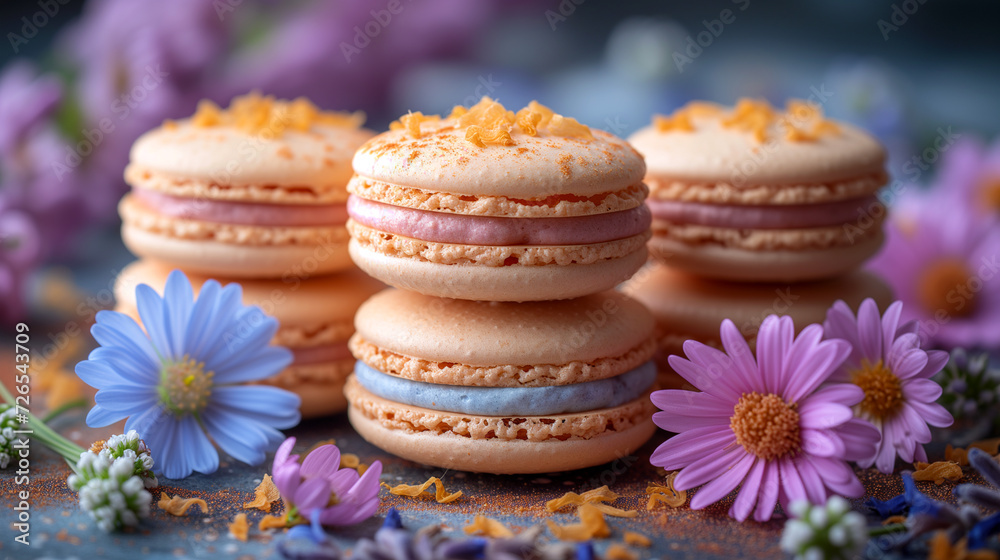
(317, 162)
(713, 154)
(441, 160)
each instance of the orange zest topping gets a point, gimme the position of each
(618, 551)
(938, 472)
(666, 494)
(175, 505)
(265, 494)
(637, 539)
(488, 123)
(594, 497)
(254, 113)
(801, 120)
(591, 525)
(414, 490)
(239, 528)
(272, 522)
(488, 528)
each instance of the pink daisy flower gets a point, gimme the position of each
(887, 363)
(764, 425)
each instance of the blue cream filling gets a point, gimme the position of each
(509, 401)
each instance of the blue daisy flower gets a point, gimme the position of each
(181, 383)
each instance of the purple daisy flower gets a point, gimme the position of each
(970, 170)
(946, 271)
(182, 385)
(766, 425)
(887, 363)
(341, 496)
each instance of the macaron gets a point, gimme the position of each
(759, 194)
(315, 320)
(503, 387)
(687, 307)
(489, 204)
(256, 190)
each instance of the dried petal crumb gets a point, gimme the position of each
(239, 528)
(175, 505)
(488, 527)
(266, 494)
(414, 490)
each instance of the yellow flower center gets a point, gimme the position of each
(944, 286)
(766, 425)
(185, 386)
(989, 193)
(883, 390)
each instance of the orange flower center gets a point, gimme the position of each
(943, 286)
(883, 390)
(989, 193)
(766, 425)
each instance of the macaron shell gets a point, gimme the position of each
(536, 167)
(304, 300)
(479, 333)
(784, 265)
(450, 451)
(241, 261)
(690, 307)
(713, 154)
(317, 159)
(500, 445)
(490, 283)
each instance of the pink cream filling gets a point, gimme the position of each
(762, 217)
(244, 213)
(320, 354)
(488, 230)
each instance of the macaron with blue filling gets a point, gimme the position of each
(503, 387)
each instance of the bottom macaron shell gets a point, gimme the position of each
(507, 283)
(240, 261)
(739, 265)
(499, 445)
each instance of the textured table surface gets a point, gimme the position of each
(59, 530)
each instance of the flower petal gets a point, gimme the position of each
(822, 443)
(746, 498)
(870, 331)
(709, 373)
(819, 414)
(236, 435)
(701, 471)
(691, 403)
(322, 461)
(812, 364)
(743, 363)
(178, 298)
(263, 363)
(312, 493)
(768, 496)
(774, 339)
(935, 414)
(792, 489)
(128, 367)
(909, 363)
(199, 452)
(890, 323)
(99, 417)
(150, 306)
(276, 407)
(683, 449)
(847, 394)
(127, 400)
(722, 485)
(921, 390)
(114, 329)
(200, 334)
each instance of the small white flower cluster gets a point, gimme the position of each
(827, 532)
(129, 446)
(8, 423)
(112, 483)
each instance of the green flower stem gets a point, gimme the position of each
(886, 530)
(49, 437)
(78, 403)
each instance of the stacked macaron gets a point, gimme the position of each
(502, 349)
(256, 194)
(757, 210)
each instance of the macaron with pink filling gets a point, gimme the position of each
(315, 321)
(489, 204)
(256, 190)
(754, 193)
